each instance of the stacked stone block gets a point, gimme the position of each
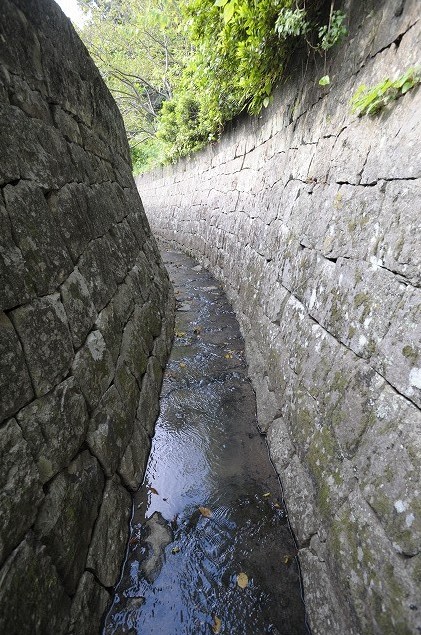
(310, 217)
(85, 328)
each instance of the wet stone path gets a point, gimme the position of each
(210, 548)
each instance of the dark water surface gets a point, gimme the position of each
(180, 575)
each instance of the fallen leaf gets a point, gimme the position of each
(216, 626)
(134, 540)
(153, 490)
(266, 495)
(205, 511)
(179, 334)
(242, 580)
(277, 505)
(288, 559)
(228, 356)
(182, 365)
(175, 550)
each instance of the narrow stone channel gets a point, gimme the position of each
(210, 507)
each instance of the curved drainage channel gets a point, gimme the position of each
(210, 507)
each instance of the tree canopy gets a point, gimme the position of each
(179, 69)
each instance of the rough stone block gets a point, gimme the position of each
(54, 427)
(88, 606)
(399, 353)
(148, 409)
(373, 578)
(387, 466)
(133, 463)
(15, 382)
(43, 330)
(67, 517)
(70, 210)
(110, 430)
(93, 368)
(135, 344)
(96, 267)
(66, 125)
(114, 317)
(40, 604)
(79, 307)
(110, 536)
(20, 488)
(37, 237)
(29, 101)
(16, 282)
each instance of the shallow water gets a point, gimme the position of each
(180, 574)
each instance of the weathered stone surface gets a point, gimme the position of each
(20, 488)
(93, 368)
(31, 594)
(88, 605)
(114, 317)
(54, 427)
(70, 210)
(67, 516)
(148, 409)
(79, 307)
(133, 463)
(16, 283)
(16, 387)
(96, 267)
(44, 332)
(111, 533)
(309, 218)
(37, 236)
(109, 430)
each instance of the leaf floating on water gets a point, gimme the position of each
(228, 356)
(242, 580)
(153, 490)
(182, 365)
(205, 511)
(175, 550)
(266, 495)
(216, 626)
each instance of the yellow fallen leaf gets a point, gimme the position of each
(182, 365)
(242, 580)
(266, 495)
(205, 511)
(228, 356)
(175, 550)
(216, 626)
(153, 490)
(179, 334)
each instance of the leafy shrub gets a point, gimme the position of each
(369, 101)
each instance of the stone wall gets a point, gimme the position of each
(309, 217)
(85, 328)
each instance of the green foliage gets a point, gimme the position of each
(180, 69)
(370, 101)
(324, 81)
(291, 22)
(332, 33)
(138, 49)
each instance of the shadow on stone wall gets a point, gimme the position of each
(85, 328)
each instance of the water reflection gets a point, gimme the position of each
(180, 575)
